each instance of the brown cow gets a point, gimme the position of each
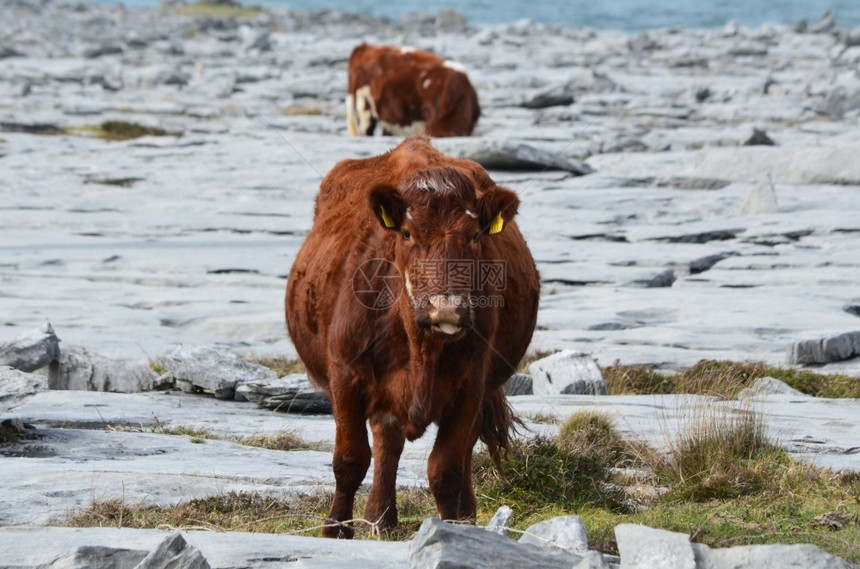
(382, 312)
(407, 92)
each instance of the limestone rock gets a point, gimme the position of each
(80, 370)
(441, 545)
(561, 95)
(510, 155)
(825, 350)
(519, 384)
(31, 350)
(292, 394)
(769, 386)
(567, 372)
(642, 547)
(174, 553)
(592, 560)
(97, 557)
(563, 532)
(199, 368)
(16, 386)
(803, 556)
(762, 199)
(758, 138)
(501, 521)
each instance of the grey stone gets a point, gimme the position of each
(501, 521)
(663, 279)
(80, 370)
(450, 20)
(292, 394)
(510, 155)
(758, 138)
(642, 547)
(17, 386)
(562, 532)
(825, 350)
(174, 553)
(97, 557)
(567, 372)
(762, 199)
(441, 545)
(200, 368)
(769, 386)
(825, 24)
(592, 560)
(31, 350)
(519, 384)
(801, 556)
(560, 95)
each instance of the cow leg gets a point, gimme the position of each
(350, 461)
(388, 442)
(451, 456)
(467, 507)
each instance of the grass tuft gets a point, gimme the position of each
(121, 130)
(280, 365)
(724, 379)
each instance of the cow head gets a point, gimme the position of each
(444, 230)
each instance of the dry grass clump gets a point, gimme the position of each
(592, 434)
(235, 511)
(253, 512)
(280, 365)
(718, 453)
(724, 379)
(283, 440)
(122, 130)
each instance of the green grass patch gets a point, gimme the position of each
(724, 379)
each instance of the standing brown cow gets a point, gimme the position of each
(406, 92)
(411, 302)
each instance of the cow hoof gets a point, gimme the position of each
(338, 530)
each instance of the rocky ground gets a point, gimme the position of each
(718, 217)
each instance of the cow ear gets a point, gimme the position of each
(388, 206)
(496, 208)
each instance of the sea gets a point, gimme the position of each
(624, 15)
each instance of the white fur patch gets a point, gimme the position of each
(407, 49)
(351, 122)
(426, 83)
(458, 67)
(409, 292)
(404, 130)
(364, 108)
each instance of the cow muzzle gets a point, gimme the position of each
(448, 314)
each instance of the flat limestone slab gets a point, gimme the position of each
(29, 547)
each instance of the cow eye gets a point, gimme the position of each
(406, 234)
(476, 237)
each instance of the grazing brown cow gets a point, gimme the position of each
(411, 302)
(407, 92)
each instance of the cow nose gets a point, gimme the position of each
(448, 313)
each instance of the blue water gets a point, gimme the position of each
(627, 15)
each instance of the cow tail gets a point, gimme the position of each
(498, 425)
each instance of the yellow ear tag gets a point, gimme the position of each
(386, 219)
(497, 225)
